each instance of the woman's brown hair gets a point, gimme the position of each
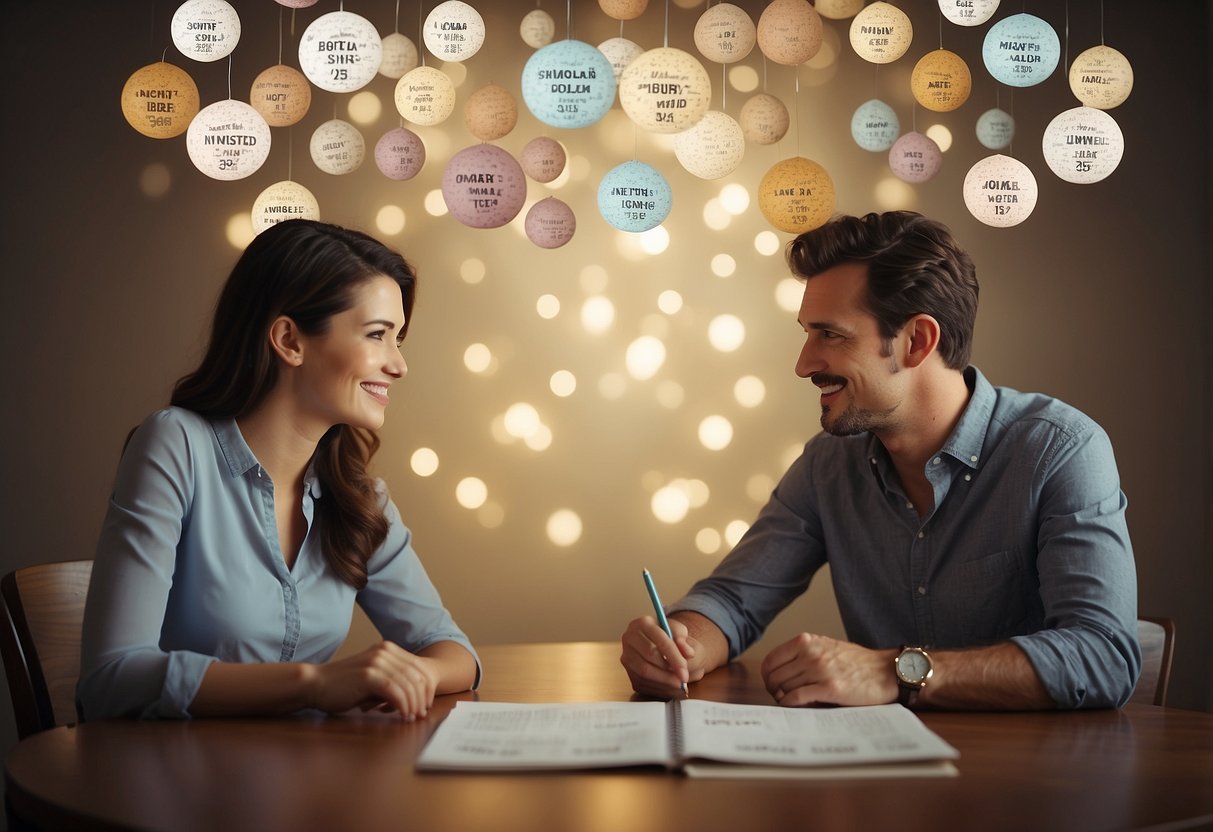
(307, 271)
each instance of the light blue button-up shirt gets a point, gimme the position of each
(1027, 542)
(189, 570)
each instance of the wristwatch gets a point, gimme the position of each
(913, 667)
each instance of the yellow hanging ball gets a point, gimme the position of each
(796, 195)
(160, 100)
(941, 81)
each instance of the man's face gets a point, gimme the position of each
(844, 355)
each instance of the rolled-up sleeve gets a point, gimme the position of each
(1087, 656)
(123, 670)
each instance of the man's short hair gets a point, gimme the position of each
(914, 267)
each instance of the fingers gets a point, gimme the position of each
(384, 676)
(656, 664)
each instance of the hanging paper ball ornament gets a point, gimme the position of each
(1101, 77)
(159, 100)
(399, 154)
(623, 9)
(838, 9)
(453, 31)
(789, 31)
(543, 159)
(995, 129)
(484, 187)
(725, 33)
(297, 4)
(620, 52)
(1021, 50)
(915, 158)
(568, 84)
(399, 55)
(968, 12)
(550, 223)
(796, 195)
(881, 33)
(634, 197)
(490, 112)
(764, 119)
(1083, 145)
(537, 28)
(205, 30)
(1000, 191)
(340, 52)
(285, 200)
(282, 95)
(337, 147)
(712, 148)
(941, 81)
(228, 140)
(665, 90)
(875, 125)
(425, 96)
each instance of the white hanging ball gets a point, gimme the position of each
(712, 148)
(1000, 191)
(337, 147)
(1083, 145)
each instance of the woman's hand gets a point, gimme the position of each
(384, 676)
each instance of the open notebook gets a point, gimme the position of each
(701, 738)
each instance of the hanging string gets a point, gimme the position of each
(229, 75)
(280, 10)
(724, 87)
(421, 32)
(666, 39)
(568, 20)
(796, 98)
(941, 28)
(396, 27)
(1101, 40)
(290, 152)
(1065, 49)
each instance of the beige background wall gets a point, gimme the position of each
(1101, 298)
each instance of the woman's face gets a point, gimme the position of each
(346, 372)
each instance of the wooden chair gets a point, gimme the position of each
(1157, 637)
(40, 641)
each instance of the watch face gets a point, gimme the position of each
(913, 665)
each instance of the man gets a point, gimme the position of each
(976, 535)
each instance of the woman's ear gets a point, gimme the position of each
(922, 340)
(285, 341)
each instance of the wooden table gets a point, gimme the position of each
(1100, 770)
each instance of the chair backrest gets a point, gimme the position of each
(1157, 637)
(40, 641)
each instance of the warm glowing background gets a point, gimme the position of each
(571, 416)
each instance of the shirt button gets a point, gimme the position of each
(968, 477)
(921, 535)
(873, 460)
(922, 590)
(909, 504)
(935, 461)
(972, 459)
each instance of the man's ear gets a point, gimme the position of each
(922, 339)
(285, 341)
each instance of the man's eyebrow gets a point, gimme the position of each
(830, 325)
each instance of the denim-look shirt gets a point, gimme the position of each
(189, 570)
(1027, 542)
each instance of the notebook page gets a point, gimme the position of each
(500, 735)
(771, 735)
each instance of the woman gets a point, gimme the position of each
(243, 524)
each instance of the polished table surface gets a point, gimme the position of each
(1136, 768)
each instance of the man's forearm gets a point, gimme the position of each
(993, 678)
